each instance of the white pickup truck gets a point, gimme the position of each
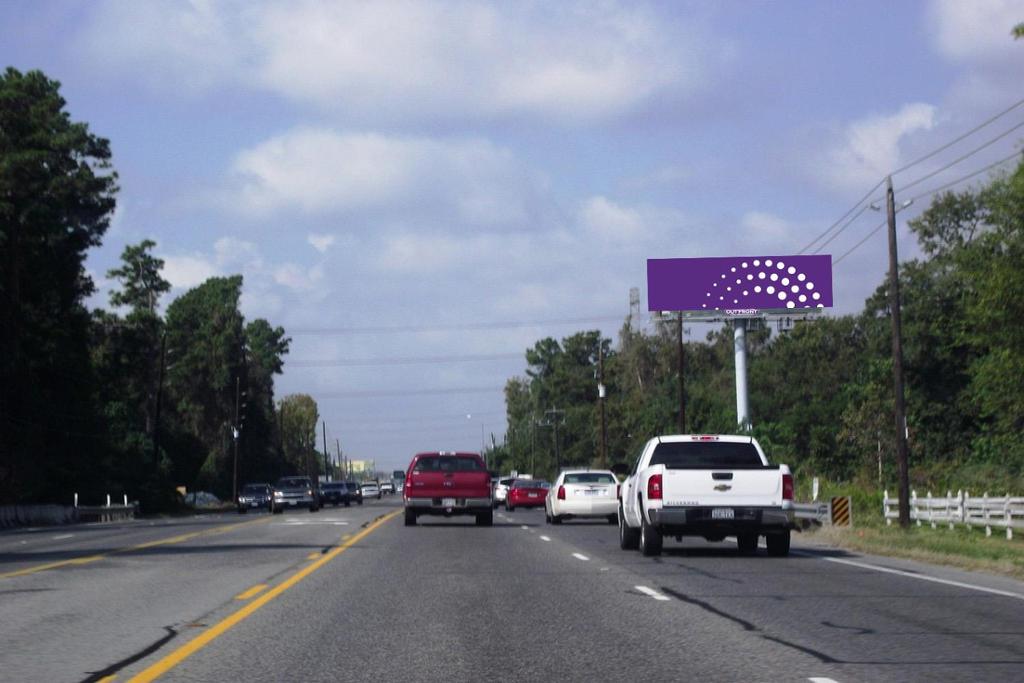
(705, 485)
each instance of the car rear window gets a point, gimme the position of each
(294, 481)
(255, 489)
(530, 484)
(589, 478)
(706, 455)
(448, 463)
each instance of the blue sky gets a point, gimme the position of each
(446, 165)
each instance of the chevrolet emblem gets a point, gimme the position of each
(722, 487)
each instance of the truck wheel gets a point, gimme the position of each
(650, 539)
(778, 544)
(747, 543)
(485, 518)
(410, 518)
(629, 538)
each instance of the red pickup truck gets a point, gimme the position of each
(448, 483)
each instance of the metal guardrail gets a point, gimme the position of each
(985, 511)
(813, 513)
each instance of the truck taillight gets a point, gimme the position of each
(654, 487)
(561, 493)
(787, 487)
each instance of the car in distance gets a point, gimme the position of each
(501, 490)
(254, 497)
(336, 493)
(355, 491)
(526, 493)
(295, 492)
(448, 483)
(370, 490)
(386, 487)
(708, 485)
(583, 493)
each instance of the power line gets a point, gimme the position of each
(353, 362)
(407, 392)
(929, 193)
(949, 144)
(405, 329)
(911, 164)
(956, 161)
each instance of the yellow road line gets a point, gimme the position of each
(312, 556)
(151, 544)
(161, 667)
(255, 590)
(108, 679)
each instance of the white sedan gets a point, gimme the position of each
(583, 493)
(370, 490)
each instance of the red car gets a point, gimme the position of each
(448, 483)
(526, 493)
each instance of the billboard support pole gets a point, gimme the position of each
(740, 346)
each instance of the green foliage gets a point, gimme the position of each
(56, 197)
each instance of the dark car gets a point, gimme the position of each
(336, 493)
(355, 491)
(295, 492)
(254, 497)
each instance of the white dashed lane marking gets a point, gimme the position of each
(652, 593)
(578, 556)
(544, 538)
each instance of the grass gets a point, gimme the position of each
(962, 547)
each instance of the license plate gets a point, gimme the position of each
(448, 502)
(723, 513)
(293, 502)
(590, 493)
(532, 495)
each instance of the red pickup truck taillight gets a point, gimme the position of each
(787, 487)
(654, 487)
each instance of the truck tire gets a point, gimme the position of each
(629, 539)
(650, 539)
(778, 544)
(410, 518)
(747, 543)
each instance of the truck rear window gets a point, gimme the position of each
(448, 463)
(706, 455)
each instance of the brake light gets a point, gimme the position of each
(561, 493)
(654, 487)
(787, 487)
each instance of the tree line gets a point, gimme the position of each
(821, 395)
(127, 399)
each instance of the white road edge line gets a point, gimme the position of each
(652, 593)
(525, 528)
(911, 575)
(544, 538)
(578, 556)
(62, 537)
(818, 679)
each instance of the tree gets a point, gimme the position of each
(298, 416)
(141, 282)
(56, 197)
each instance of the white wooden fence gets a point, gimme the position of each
(1002, 512)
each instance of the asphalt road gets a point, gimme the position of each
(352, 594)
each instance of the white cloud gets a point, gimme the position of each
(187, 271)
(611, 221)
(299, 278)
(762, 230)
(320, 242)
(869, 149)
(976, 31)
(569, 61)
(319, 170)
(231, 251)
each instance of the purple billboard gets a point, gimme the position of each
(738, 285)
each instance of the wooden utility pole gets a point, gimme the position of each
(897, 360)
(326, 470)
(601, 391)
(682, 384)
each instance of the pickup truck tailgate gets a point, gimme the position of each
(735, 488)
